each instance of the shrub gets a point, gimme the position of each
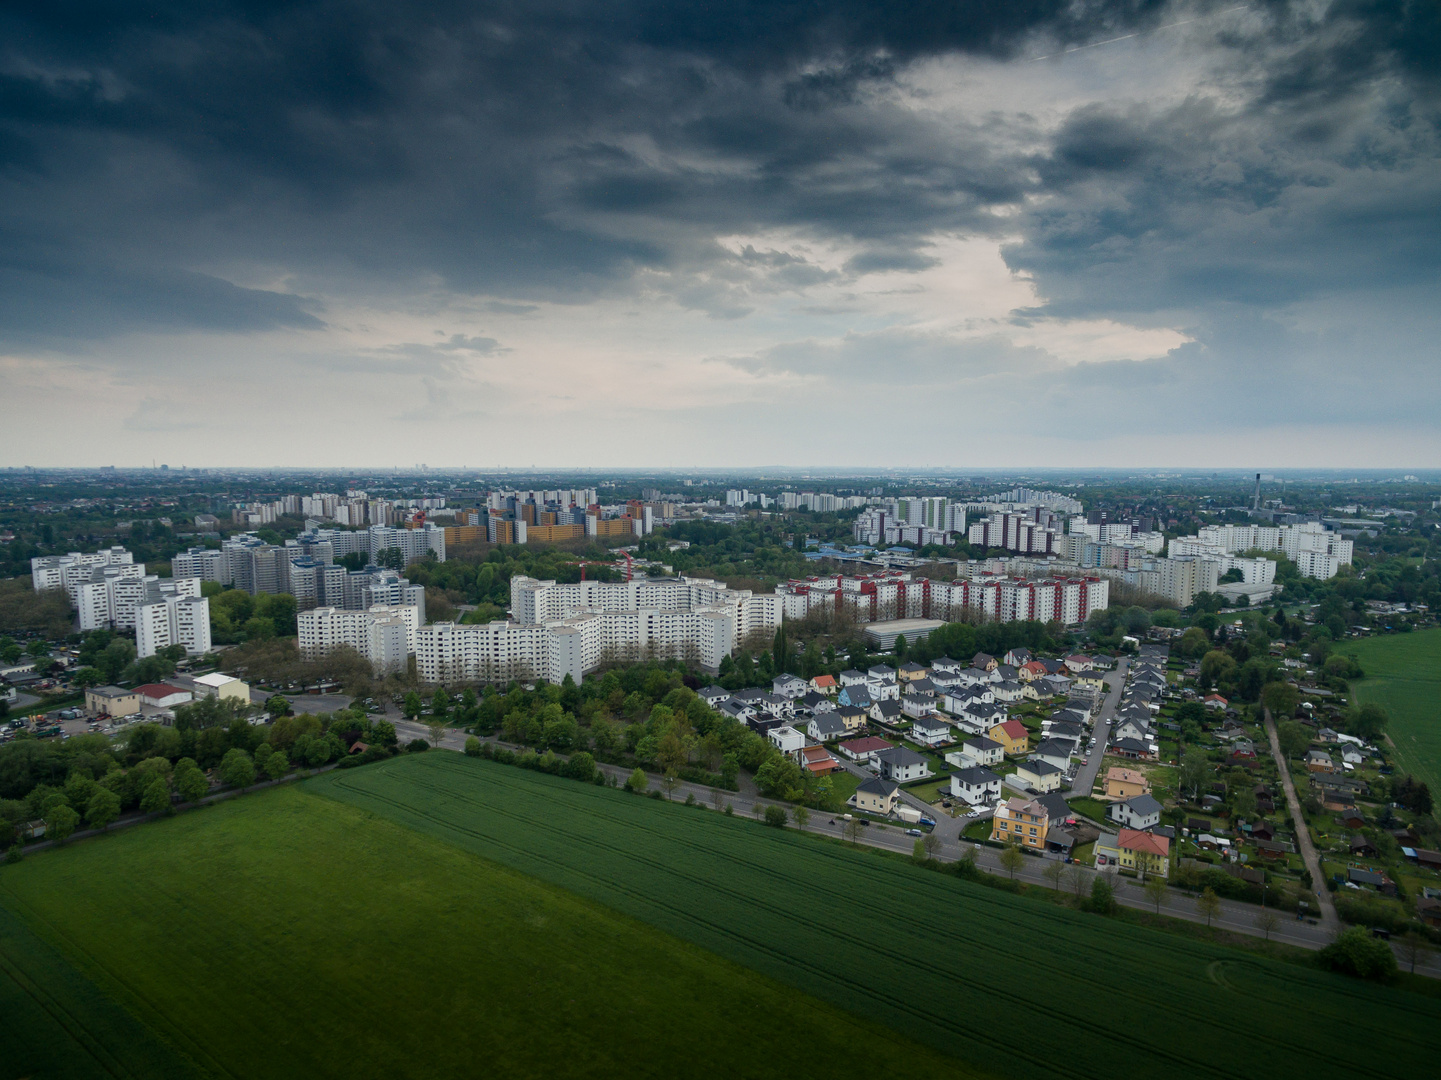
(417, 746)
(1103, 897)
(1357, 953)
(657, 794)
(581, 766)
(472, 747)
(776, 817)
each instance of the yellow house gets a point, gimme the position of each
(1023, 820)
(1090, 682)
(1145, 853)
(877, 796)
(1013, 736)
(1126, 783)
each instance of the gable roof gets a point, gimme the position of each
(1150, 843)
(828, 723)
(976, 776)
(1037, 767)
(869, 745)
(823, 680)
(980, 742)
(1014, 729)
(1125, 776)
(1144, 805)
(900, 756)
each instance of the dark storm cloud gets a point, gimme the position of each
(552, 151)
(367, 145)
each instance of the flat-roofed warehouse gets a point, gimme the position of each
(884, 634)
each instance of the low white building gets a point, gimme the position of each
(787, 740)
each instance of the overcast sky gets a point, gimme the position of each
(739, 232)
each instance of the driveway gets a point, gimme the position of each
(1303, 832)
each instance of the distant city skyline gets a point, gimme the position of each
(1189, 234)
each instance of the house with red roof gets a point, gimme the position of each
(1137, 850)
(865, 750)
(824, 684)
(1013, 736)
(818, 761)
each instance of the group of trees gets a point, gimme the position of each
(237, 616)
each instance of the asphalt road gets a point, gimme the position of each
(1085, 778)
(1303, 833)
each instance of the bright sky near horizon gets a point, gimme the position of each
(735, 233)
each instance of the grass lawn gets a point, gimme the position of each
(843, 785)
(1403, 675)
(1094, 809)
(930, 792)
(286, 934)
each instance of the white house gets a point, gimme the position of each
(713, 695)
(901, 765)
(931, 730)
(980, 751)
(976, 786)
(1008, 691)
(826, 726)
(917, 705)
(789, 686)
(1138, 812)
(851, 677)
(787, 739)
(1056, 752)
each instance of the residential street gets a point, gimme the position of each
(1085, 778)
(1303, 834)
(1234, 916)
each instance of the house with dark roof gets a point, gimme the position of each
(901, 764)
(977, 751)
(1038, 776)
(1140, 812)
(826, 727)
(713, 695)
(931, 730)
(977, 786)
(887, 712)
(876, 796)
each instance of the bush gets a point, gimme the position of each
(657, 794)
(1103, 897)
(1357, 953)
(472, 747)
(776, 817)
(581, 766)
(417, 746)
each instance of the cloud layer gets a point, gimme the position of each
(540, 221)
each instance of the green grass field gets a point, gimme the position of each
(287, 934)
(932, 956)
(1403, 675)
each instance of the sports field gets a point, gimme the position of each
(1403, 675)
(1017, 986)
(286, 934)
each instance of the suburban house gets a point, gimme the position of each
(864, 750)
(112, 701)
(1093, 683)
(1008, 691)
(1056, 685)
(825, 727)
(1134, 749)
(1039, 776)
(818, 761)
(789, 686)
(824, 684)
(1142, 812)
(1142, 852)
(1023, 820)
(1215, 701)
(979, 751)
(713, 695)
(984, 661)
(1078, 663)
(1013, 737)
(876, 796)
(787, 740)
(887, 712)
(922, 686)
(857, 694)
(854, 718)
(914, 705)
(1056, 752)
(1017, 657)
(977, 786)
(910, 672)
(881, 674)
(932, 730)
(1032, 670)
(1131, 728)
(852, 677)
(946, 664)
(1125, 783)
(1319, 761)
(901, 765)
(814, 703)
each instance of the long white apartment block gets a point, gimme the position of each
(173, 619)
(1000, 596)
(383, 634)
(1317, 551)
(58, 571)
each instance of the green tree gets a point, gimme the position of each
(278, 705)
(1208, 904)
(581, 766)
(412, 705)
(1267, 921)
(1103, 896)
(776, 817)
(472, 747)
(1011, 858)
(852, 830)
(1155, 889)
(276, 765)
(104, 808)
(440, 702)
(156, 799)
(1368, 722)
(1293, 737)
(1356, 952)
(436, 728)
(637, 781)
(802, 816)
(87, 677)
(1195, 771)
(237, 769)
(191, 783)
(918, 850)
(1281, 698)
(60, 822)
(1053, 871)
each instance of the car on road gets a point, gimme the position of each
(914, 832)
